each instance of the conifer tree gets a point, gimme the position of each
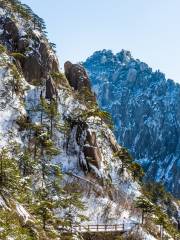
(73, 203)
(9, 171)
(125, 158)
(137, 171)
(26, 163)
(50, 109)
(145, 205)
(11, 227)
(161, 220)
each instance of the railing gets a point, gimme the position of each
(104, 227)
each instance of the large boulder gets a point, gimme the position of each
(77, 76)
(36, 67)
(114, 145)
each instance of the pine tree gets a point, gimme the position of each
(50, 109)
(26, 163)
(44, 207)
(125, 158)
(145, 205)
(9, 172)
(11, 227)
(161, 220)
(137, 171)
(157, 193)
(73, 203)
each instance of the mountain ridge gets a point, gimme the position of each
(142, 93)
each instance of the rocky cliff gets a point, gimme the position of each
(59, 159)
(145, 109)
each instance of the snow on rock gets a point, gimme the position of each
(3, 205)
(22, 213)
(69, 160)
(10, 104)
(146, 235)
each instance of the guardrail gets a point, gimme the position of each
(104, 227)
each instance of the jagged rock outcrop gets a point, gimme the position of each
(89, 153)
(10, 30)
(145, 109)
(39, 59)
(77, 76)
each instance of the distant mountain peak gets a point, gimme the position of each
(145, 108)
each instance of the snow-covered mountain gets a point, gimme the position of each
(60, 164)
(145, 107)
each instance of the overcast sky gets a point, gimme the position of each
(150, 29)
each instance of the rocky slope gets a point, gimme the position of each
(56, 144)
(145, 110)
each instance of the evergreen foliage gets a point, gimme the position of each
(127, 162)
(137, 171)
(157, 193)
(86, 96)
(164, 207)
(12, 227)
(94, 111)
(145, 205)
(15, 81)
(25, 12)
(9, 172)
(17, 55)
(125, 158)
(2, 49)
(32, 172)
(51, 110)
(60, 79)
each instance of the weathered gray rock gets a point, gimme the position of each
(143, 66)
(115, 147)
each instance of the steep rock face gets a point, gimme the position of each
(38, 58)
(91, 149)
(90, 154)
(145, 109)
(86, 153)
(37, 109)
(51, 90)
